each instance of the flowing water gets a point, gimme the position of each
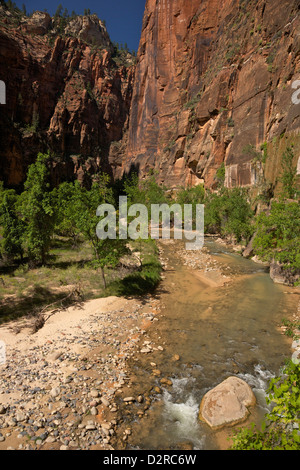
(217, 332)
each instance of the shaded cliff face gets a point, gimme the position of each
(213, 83)
(65, 94)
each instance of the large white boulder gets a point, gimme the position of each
(227, 404)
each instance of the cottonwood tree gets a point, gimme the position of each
(12, 225)
(37, 211)
(83, 214)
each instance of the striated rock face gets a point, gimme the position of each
(216, 82)
(65, 95)
(213, 83)
(37, 24)
(91, 30)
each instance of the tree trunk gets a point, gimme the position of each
(103, 277)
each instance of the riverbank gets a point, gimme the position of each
(58, 385)
(174, 380)
(98, 372)
(66, 386)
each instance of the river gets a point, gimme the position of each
(209, 332)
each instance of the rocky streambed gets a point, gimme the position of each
(220, 317)
(122, 373)
(59, 386)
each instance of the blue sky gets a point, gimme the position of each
(123, 17)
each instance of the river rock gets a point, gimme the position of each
(227, 403)
(281, 275)
(104, 401)
(128, 399)
(54, 392)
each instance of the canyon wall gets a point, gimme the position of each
(65, 94)
(213, 87)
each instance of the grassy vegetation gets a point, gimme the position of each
(25, 290)
(49, 245)
(49, 248)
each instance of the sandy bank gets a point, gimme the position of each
(58, 385)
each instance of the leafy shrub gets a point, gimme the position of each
(280, 429)
(229, 213)
(145, 192)
(278, 234)
(194, 195)
(288, 174)
(12, 226)
(37, 210)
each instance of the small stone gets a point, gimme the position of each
(145, 350)
(55, 392)
(11, 422)
(63, 447)
(107, 426)
(104, 401)
(166, 381)
(128, 399)
(90, 427)
(20, 417)
(67, 380)
(94, 393)
(54, 356)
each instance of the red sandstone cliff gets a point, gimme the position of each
(213, 83)
(65, 94)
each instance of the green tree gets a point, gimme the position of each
(288, 174)
(229, 213)
(220, 175)
(12, 226)
(37, 210)
(83, 215)
(193, 195)
(278, 234)
(65, 220)
(146, 191)
(58, 12)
